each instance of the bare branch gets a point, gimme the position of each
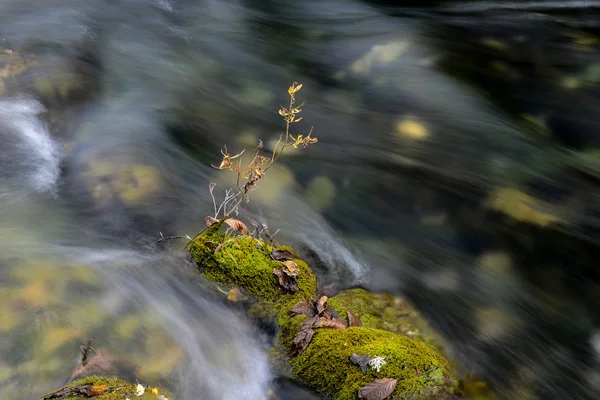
(85, 351)
(211, 188)
(229, 197)
(164, 238)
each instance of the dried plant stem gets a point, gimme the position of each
(255, 170)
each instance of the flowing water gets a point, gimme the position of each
(456, 166)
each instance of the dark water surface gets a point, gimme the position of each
(458, 166)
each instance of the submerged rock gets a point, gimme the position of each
(54, 79)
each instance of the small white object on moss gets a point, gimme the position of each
(139, 390)
(377, 362)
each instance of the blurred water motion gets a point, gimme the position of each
(458, 165)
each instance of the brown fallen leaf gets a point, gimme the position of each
(335, 323)
(353, 320)
(282, 277)
(291, 268)
(361, 360)
(330, 313)
(304, 336)
(237, 225)
(281, 255)
(210, 221)
(219, 247)
(288, 283)
(379, 389)
(302, 307)
(321, 304)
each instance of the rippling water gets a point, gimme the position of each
(457, 165)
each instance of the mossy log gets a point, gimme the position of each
(246, 263)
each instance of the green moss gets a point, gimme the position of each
(288, 328)
(325, 365)
(118, 389)
(381, 310)
(245, 262)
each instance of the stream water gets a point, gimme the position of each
(457, 166)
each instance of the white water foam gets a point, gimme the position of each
(42, 154)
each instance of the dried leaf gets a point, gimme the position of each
(304, 336)
(330, 313)
(293, 89)
(361, 360)
(219, 247)
(291, 268)
(210, 221)
(97, 390)
(286, 282)
(237, 225)
(353, 320)
(302, 307)
(378, 389)
(281, 255)
(335, 323)
(321, 304)
(278, 273)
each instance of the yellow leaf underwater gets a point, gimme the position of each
(36, 294)
(523, 207)
(410, 128)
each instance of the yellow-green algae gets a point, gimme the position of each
(245, 262)
(118, 389)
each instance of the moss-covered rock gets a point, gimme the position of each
(111, 388)
(387, 312)
(325, 364)
(52, 78)
(245, 262)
